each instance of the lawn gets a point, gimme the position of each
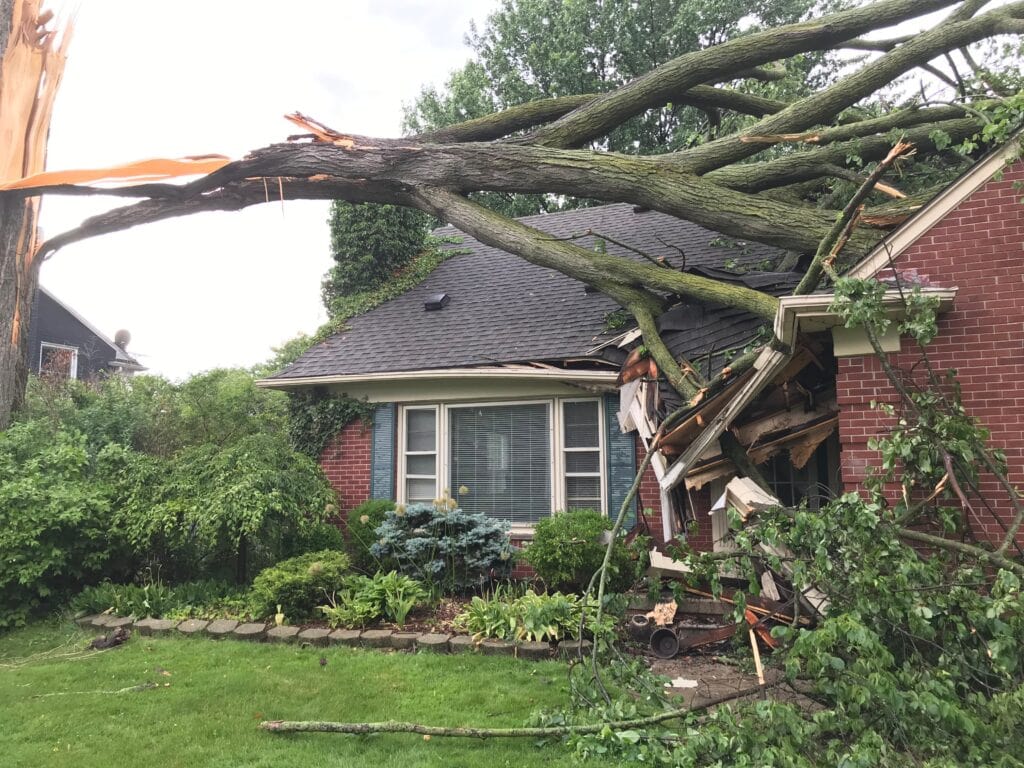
(58, 710)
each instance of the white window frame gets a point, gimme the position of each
(44, 345)
(602, 454)
(403, 452)
(556, 422)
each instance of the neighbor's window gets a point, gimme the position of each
(581, 452)
(420, 455)
(58, 361)
(502, 455)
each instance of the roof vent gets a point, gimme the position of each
(436, 301)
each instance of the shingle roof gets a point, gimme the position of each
(506, 310)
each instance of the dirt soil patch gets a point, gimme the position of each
(715, 678)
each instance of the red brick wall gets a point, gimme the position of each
(346, 462)
(979, 248)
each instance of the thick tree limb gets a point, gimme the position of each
(655, 88)
(628, 282)
(820, 107)
(994, 558)
(815, 163)
(540, 111)
(375, 168)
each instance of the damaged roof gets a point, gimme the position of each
(502, 309)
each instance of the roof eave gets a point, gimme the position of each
(479, 373)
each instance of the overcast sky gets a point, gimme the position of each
(148, 79)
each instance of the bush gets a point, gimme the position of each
(209, 505)
(197, 599)
(362, 524)
(532, 617)
(443, 546)
(299, 584)
(567, 550)
(314, 538)
(56, 531)
(365, 599)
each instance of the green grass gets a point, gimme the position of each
(219, 691)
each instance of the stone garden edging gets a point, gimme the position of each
(424, 642)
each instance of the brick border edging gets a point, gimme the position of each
(423, 642)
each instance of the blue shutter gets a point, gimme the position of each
(621, 461)
(382, 452)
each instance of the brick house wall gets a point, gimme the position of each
(346, 462)
(979, 248)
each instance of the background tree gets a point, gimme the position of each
(369, 243)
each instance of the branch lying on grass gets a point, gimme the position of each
(393, 726)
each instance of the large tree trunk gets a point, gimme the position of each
(31, 70)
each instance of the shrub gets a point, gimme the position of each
(154, 599)
(56, 531)
(299, 584)
(567, 550)
(211, 504)
(445, 547)
(362, 524)
(365, 599)
(314, 538)
(531, 616)
(214, 599)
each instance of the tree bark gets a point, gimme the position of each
(19, 284)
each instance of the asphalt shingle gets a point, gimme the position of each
(503, 309)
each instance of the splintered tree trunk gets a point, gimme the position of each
(15, 306)
(30, 70)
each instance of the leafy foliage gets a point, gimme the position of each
(125, 476)
(314, 417)
(532, 617)
(54, 526)
(567, 549)
(362, 524)
(248, 499)
(299, 584)
(197, 599)
(370, 243)
(445, 547)
(365, 599)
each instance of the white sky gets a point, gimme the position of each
(147, 79)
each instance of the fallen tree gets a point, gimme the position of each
(913, 646)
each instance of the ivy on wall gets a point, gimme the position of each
(315, 416)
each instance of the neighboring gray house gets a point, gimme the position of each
(63, 343)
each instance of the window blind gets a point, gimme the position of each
(502, 454)
(581, 446)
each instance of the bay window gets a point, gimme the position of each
(516, 461)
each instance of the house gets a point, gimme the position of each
(502, 378)
(65, 344)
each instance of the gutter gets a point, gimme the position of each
(793, 311)
(488, 372)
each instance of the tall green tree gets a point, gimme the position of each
(369, 243)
